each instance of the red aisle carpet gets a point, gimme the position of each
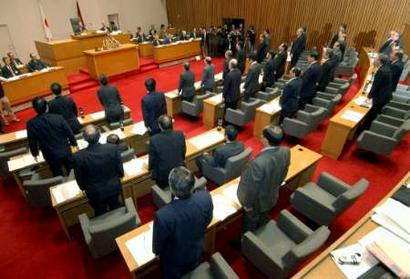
(34, 245)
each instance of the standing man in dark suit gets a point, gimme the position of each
(279, 61)
(298, 45)
(14, 60)
(65, 107)
(396, 66)
(228, 58)
(381, 92)
(392, 43)
(262, 48)
(186, 84)
(232, 86)
(9, 70)
(327, 69)
(336, 37)
(166, 151)
(208, 76)
(110, 99)
(179, 227)
(268, 71)
(221, 154)
(51, 134)
(98, 170)
(310, 78)
(289, 98)
(240, 56)
(153, 106)
(258, 189)
(252, 78)
(35, 64)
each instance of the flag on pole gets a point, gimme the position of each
(44, 22)
(80, 14)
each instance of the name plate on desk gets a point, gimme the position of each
(207, 139)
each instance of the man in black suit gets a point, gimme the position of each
(336, 37)
(391, 43)
(166, 151)
(153, 106)
(35, 64)
(289, 98)
(269, 71)
(186, 84)
(280, 61)
(240, 56)
(262, 48)
(115, 139)
(9, 70)
(298, 45)
(228, 58)
(310, 78)
(98, 170)
(381, 92)
(258, 189)
(51, 134)
(396, 66)
(65, 107)
(252, 78)
(110, 99)
(327, 69)
(14, 60)
(232, 86)
(179, 227)
(208, 76)
(221, 154)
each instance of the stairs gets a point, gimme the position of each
(81, 81)
(147, 65)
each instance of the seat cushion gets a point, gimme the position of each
(276, 241)
(321, 196)
(203, 271)
(111, 215)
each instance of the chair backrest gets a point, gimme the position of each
(112, 227)
(249, 108)
(220, 269)
(37, 190)
(236, 164)
(317, 116)
(346, 199)
(128, 155)
(199, 99)
(399, 134)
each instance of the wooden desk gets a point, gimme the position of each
(212, 111)
(112, 62)
(69, 53)
(296, 169)
(176, 51)
(31, 85)
(146, 49)
(323, 265)
(14, 140)
(266, 114)
(340, 130)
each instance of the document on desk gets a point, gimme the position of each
(97, 115)
(139, 129)
(172, 94)
(363, 102)
(140, 247)
(133, 167)
(207, 139)
(66, 191)
(271, 107)
(24, 161)
(217, 99)
(82, 144)
(21, 134)
(396, 212)
(218, 76)
(352, 115)
(231, 193)
(222, 208)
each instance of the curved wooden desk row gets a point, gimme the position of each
(176, 51)
(303, 162)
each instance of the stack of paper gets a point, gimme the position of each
(98, 115)
(133, 167)
(207, 139)
(222, 208)
(140, 247)
(231, 194)
(139, 129)
(21, 134)
(66, 191)
(352, 115)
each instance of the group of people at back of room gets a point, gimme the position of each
(179, 227)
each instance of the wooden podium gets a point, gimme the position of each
(113, 61)
(177, 51)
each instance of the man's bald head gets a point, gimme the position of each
(91, 134)
(165, 122)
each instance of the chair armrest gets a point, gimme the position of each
(399, 105)
(162, 196)
(85, 225)
(382, 129)
(292, 124)
(308, 200)
(321, 102)
(130, 207)
(293, 227)
(303, 116)
(220, 268)
(331, 184)
(395, 112)
(369, 140)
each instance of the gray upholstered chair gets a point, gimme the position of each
(342, 89)
(399, 105)
(163, 196)
(401, 96)
(280, 84)
(277, 248)
(246, 113)
(233, 168)
(381, 138)
(5, 157)
(217, 268)
(100, 232)
(327, 101)
(128, 155)
(37, 189)
(117, 125)
(393, 121)
(269, 94)
(305, 122)
(196, 107)
(325, 200)
(396, 112)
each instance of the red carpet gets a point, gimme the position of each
(34, 245)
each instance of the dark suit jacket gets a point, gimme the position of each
(298, 45)
(225, 69)
(310, 78)
(208, 77)
(381, 91)
(166, 151)
(226, 151)
(51, 134)
(98, 170)
(153, 106)
(279, 64)
(396, 70)
(261, 180)
(16, 62)
(66, 107)
(240, 56)
(7, 73)
(232, 86)
(326, 74)
(178, 233)
(110, 99)
(252, 79)
(386, 47)
(186, 84)
(269, 73)
(262, 50)
(36, 65)
(289, 98)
